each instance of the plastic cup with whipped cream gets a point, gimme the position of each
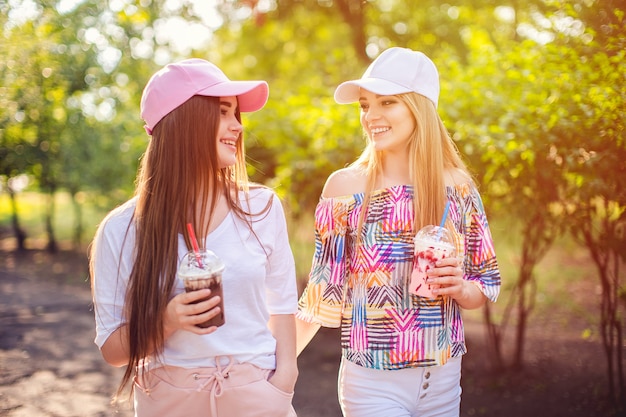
(432, 243)
(203, 269)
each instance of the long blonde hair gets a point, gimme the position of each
(431, 152)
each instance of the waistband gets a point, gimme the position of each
(210, 379)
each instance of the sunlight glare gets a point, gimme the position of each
(505, 14)
(207, 12)
(21, 12)
(67, 6)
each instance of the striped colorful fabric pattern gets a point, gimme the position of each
(365, 291)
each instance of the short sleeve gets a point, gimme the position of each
(481, 264)
(322, 299)
(112, 264)
(281, 288)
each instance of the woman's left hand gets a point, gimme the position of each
(284, 381)
(448, 276)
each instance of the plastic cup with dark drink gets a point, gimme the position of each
(432, 243)
(203, 269)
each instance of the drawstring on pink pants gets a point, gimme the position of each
(218, 378)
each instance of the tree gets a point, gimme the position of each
(553, 133)
(16, 138)
(506, 138)
(592, 151)
(71, 86)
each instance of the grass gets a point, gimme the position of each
(561, 270)
(31, 212)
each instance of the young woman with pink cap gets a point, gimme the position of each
(193, 173)
(401, 352)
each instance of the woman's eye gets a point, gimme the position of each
(364, 106)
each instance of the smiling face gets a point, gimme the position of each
(228, 132)
(387, 121)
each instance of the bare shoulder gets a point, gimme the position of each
(456, 176)
(346, 181)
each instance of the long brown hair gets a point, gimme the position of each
(179, 182)
(431, 152)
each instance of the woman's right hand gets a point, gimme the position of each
(182, 314)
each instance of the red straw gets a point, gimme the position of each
(194, 242)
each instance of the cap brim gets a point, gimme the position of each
(349, 91)
(251, 95)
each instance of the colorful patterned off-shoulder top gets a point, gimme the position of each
(365, 291)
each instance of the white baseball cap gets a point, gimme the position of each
(395, 71)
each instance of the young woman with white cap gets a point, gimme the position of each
(401, 352)
(193, 173)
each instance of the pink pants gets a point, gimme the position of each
(236, 390)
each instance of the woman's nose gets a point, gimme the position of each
(372, 114)
(236, 126)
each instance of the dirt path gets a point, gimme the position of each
(50, 367)
(48, 364)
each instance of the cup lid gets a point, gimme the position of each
(204, 259)
(435, 234)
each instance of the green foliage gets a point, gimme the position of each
(302, 135)
(533, 94)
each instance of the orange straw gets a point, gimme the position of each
(194, 242)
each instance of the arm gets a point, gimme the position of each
(304, 334)
(321, 302)
(283, 329)
(115, 349)
(479, 282)
(181, 314)
(470, 297)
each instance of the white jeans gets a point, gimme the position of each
(414, 392)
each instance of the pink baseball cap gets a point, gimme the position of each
(395, 71)
(176, 83)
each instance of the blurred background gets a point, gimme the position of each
(533, 93)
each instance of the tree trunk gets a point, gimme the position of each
(353, 12)
(52, 246)
(78, 222)
(494, 340)
(607, 261)
(523, 310)
(538, 237)
(617, 328)
(20, 235)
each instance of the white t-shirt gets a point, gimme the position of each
(259, 280)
